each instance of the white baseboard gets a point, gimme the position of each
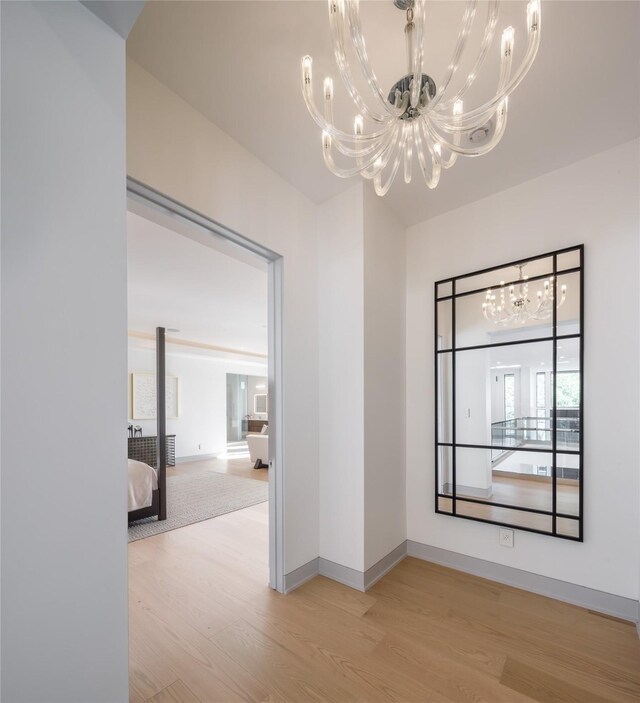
(590, 598)
(197, 457)
(384, 566)
(360, 580)
(294, 579)
(342, 574)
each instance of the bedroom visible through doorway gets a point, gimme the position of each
(212, 302)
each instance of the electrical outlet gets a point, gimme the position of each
(506, 537)
(199, 446)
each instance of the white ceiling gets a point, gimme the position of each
(210, 297)
(239, 64)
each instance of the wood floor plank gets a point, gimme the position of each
(282, 669)
(569, 664)
(435, 633)
(205, 624)
(178, 692)
(330, 627)
(347, 599)
(441, 674)
(542, 687)
(169, 591)
(149, 673)
(333, 655)
(207, 671)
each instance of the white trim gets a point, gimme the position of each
(198, 457)
(384, 566)
(342, 574)
(145, 199)
(590, 598)
(353, 578)
(276, 430)
(294, 579)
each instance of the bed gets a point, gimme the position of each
(147, 495)
(142, 496)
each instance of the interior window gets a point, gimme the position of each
(509, 396)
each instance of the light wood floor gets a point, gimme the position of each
(241, 466)
(205, 627)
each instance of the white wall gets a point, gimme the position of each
(176, 150)
(201, 427)
(361, 258)
(594, 202)
(341, 398)
(64, 548)
(385, 524)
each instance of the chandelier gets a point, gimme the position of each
(418, 115)
(515, 306)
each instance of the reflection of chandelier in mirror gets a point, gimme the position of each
(512, 305)
(418, 114)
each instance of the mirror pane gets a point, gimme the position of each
(568, 527)
(499, 396)
(518, 478)
(444, 340)
(568, 317)
(445, 455)
(473, 473)
(444, 289)
(507, 516)
(445, 409)
(568, 484)
(445, 505)
(506, 274)
(567, 389)
(479, 320)
(568, 260)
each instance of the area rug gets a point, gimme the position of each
(196, 497)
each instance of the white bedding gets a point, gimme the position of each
(143, 480)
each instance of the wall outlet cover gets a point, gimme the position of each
(506, 537)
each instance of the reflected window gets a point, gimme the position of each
(568, 389)
(541, 391)
(509, 396)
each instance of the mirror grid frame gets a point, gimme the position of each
(451, 446)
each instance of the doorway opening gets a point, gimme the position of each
(247, 376)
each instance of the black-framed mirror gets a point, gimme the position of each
(509, 353)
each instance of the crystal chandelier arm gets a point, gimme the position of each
(489, 31)
(414, 34)
(382, 154)
(467, 21)
(353, 17)
(454, 121)
(307, 92)
(430, 180)
(408, 153)
(337, 25)
(381, 162)
(359, 151)
(444, 160)
(501, 124)
(398, 152)
(476, 118)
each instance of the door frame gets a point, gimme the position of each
(157, 202)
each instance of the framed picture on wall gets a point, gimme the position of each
(143, 396)
(260, 404)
